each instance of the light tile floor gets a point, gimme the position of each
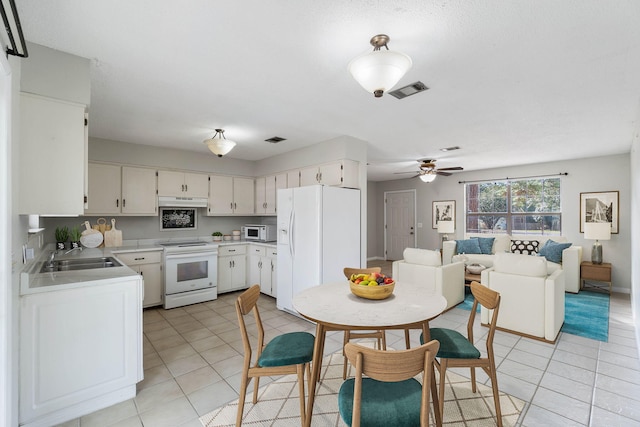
(193, 357)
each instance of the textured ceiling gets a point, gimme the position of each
(511, 82)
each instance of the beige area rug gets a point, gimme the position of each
(278, 403)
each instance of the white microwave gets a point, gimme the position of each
(260, 232)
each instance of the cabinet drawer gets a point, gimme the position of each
(136, 258)
(599, 273)
(258, 250)
(232, 250)
(272, 253)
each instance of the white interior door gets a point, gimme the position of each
(400, 219)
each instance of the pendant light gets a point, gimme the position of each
(380, 70)
(220, 145)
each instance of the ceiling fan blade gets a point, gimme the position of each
(455, 168)
(443, 173)
(404, 172)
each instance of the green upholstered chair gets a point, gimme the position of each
(390, 396)
(457, 351)
(350, 335)
(289, 353)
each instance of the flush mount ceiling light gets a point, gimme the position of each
(428, 176)
(220, 145)
(379, 71)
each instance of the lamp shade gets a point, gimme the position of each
(597, 230)
(380, 70)
(428, 177)
(446, 227)
(220, 145)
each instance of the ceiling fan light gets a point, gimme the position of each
(428, 177)
(380, 70)
(220, 145)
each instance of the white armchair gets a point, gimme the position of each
(531, 300)
(425, 266)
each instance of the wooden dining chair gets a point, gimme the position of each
(349, 335)
(390, 396)
(289, 353)
(458, 351)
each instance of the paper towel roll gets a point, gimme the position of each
(34, 221)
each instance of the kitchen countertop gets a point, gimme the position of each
(33, 282)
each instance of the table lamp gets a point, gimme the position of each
(445, 227)
(597, 231)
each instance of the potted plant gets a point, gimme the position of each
(217, 236)
(62, 235)
(74, 235)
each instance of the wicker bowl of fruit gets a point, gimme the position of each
(371, 286)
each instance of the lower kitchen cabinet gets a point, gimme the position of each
(80, 350)
(262, 268)
(232, 268)
(149, 266)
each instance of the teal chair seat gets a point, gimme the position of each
(384, 404)
(453, 345)
(288, 349)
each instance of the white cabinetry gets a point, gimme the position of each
(80, 350)
(182, 184)
(230, 195)
(262, 268)
(266, 189)
(343, 173)
(232, 268)
(149, 266)
(293, 179)
(53, 156)
(127, 190)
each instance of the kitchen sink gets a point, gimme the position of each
(79, 264)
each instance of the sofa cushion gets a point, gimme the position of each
(519, 264)
(469, 246)
(422, 257)
(552, 250)
(526, 247)
(486, 244)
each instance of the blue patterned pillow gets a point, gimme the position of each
(486, 244)
(552, 251)
(469, 246)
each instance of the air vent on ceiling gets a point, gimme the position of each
(409, 90)
(275, 139)
(455, 147)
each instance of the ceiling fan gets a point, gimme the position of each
(428, 170)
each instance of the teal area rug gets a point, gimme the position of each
(586, 314)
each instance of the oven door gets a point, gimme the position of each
(188, 272)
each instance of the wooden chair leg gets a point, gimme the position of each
(300, 370)
(442, 368)
(473, 379)
(496, 395)
(243, 394)
(256, 385)
(384, 340)
(407, 340)
(347, 337)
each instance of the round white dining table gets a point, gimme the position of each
(332, 306)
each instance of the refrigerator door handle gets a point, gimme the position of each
(291, 222)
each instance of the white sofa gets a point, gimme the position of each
(571, 257)
(425, 266)
(531, 301)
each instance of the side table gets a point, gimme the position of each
(595, 272)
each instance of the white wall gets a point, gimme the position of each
(635, 231)
(612, 173)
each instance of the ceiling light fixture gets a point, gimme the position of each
(379, 71)
(221, 145)
(428, 176)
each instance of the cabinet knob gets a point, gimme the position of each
(139, 259)
(117, 203)
(124, 203)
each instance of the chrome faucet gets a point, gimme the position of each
(52, 256)
(71, 250)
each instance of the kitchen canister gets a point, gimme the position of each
(235, 233)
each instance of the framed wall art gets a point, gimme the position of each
(600, 206)
(444, 210)
(178, 219)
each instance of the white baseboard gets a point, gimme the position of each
(375, 258)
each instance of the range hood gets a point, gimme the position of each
(182, 202)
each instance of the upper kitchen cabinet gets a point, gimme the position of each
(293, 179)
(182, 184)
(343, 173)
(230, 195)
(53, 156)
(121, 190)
(266, 189)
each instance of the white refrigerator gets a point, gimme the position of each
(318, 230)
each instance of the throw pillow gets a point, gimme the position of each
(486, 244)
(469, 246)
(526, 247)
(552, 251)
